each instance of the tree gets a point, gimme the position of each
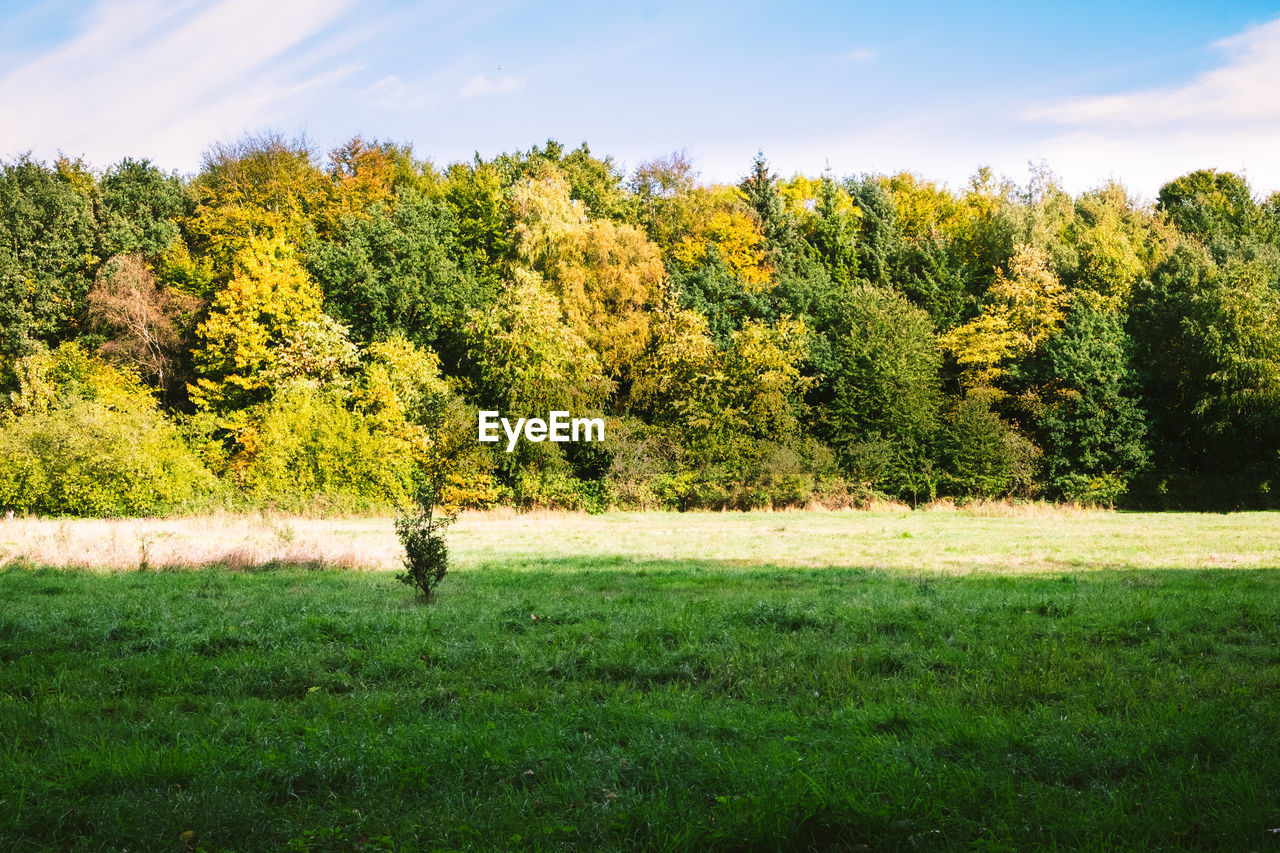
(260, 187)
(724, 401)
(720, 296)
(528, 359)
(718, 227)
(478, 197)
(609, 278)
(141, 209)
(680, 380)
(264, 327)
(1092, 431)
(885, 395)
(983, 455)
(763, 195)
(305, 449)
(80, 437)
(606, 275)
(48, 251)
(661, 189)
(1024, 307)
(1207, 338)
(400, 270)
(369, 173)
(763, 376)
(596, 183)
(832, 231)
(910, 239)
(1209, 204)
(142, 320)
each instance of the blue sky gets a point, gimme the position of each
(1140, 92)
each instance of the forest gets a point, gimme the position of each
(311, 332)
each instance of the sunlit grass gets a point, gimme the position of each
(983, 539)
(662, 682)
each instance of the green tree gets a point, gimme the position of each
(983, 456)
(885, 396)
(1092, 431)
(1207, 340)
(1209, 204)
(306, 450)
(479, 200)
(763, 195)
(141, 209)
(48, 251)
(401, 270)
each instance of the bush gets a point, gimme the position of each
(986, 457)
(426, 554)
(305, 450)
(86, 459)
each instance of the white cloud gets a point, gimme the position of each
(858, 56)
(392, 93)
(163, 79)
(481, 85)
(1242, 89)
(1226, 118)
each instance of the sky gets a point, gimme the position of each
(1138, 92)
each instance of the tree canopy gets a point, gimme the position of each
(295, 328)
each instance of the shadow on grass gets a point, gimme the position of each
(654, 704)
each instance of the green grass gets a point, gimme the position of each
(653, 703)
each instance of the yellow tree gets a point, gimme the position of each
(607, 276)
(264, 328)
(258, 187)
(1024, 308)
(923, 209)
(718, 220)
(543, 213)
(723, 400)
(1116, 243)
(529, 360)
(404, 396)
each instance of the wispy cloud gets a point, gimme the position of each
(392, 93)
(857, 56)
(1227, 117)
(1242, 89)
(481, 85)
(163, 79)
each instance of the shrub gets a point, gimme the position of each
(89, 460)
(986, 457)
(426, 554)
(80, 437)
(305, 449)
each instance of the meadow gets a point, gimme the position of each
(993, 679)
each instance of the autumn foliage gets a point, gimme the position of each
(308, 332)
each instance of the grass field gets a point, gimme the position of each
(939, 680)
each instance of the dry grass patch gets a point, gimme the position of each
(997, 538)
(237, 542)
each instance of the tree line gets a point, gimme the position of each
(308, 332)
